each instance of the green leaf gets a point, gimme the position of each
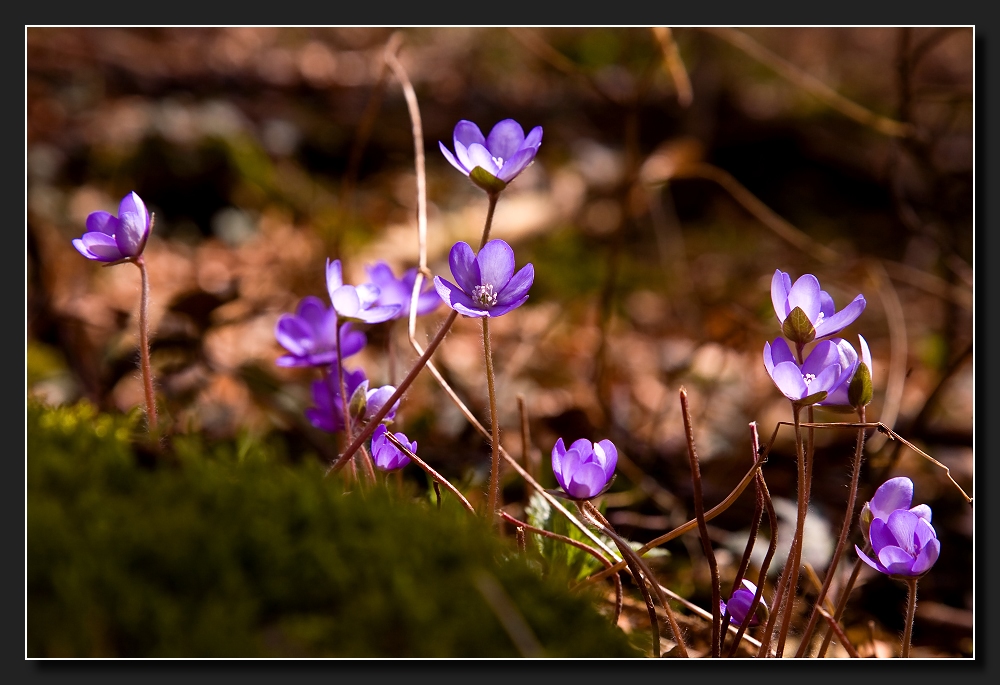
(798, 328)
(487, 181)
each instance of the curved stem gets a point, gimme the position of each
(845, 530)
(911, 609)
(494, 492)
(147, 369)
(841, 603)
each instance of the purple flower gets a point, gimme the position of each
(817, 306)
(328, 414)
(903, 540)
(310, 333)
(111, 239)
(824, 369)
(487, 284)
(375, 398)
(739, 604)
(895, 493)
(355, 303)
(585, 469)
(387, 456)
(398, 290)
(502, 155)
(839, 395)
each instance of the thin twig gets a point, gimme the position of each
(675, 65)
(811, 84)
(438, 478)
(692, 524)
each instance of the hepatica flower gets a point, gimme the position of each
(501, 155)
(806, 312)
(309, 335)
(586, 469)
(397, 291)
(487, 285)
(387, 456)
(903, 540)
(840, 395)
(356, 303)
(895, 493)
(112, 239)
(826, 367)
(739, 604)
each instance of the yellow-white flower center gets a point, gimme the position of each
(498, 161)
(484, 295)
(808, 378)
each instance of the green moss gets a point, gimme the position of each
(226, 550)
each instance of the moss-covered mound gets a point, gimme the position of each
(233, 552)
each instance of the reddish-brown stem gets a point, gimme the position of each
(845, 530)
(345, 405)
(699, 514)
(404, 384)
(841, 604)
(437, 477)
(146, 367)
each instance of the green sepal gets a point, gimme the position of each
(859, 392)
(798, 328)
(487, 181)
(359, 401)
(865, 520)
(812, 399)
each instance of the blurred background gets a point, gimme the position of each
(677, 171)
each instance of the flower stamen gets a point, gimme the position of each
(484, 295)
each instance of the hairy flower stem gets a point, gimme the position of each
(345, 404)
(805, 471)
(494, 492)
(911, 609)
(146, 367)
(790, 573)
(763, 500)
(845, 530)
(841, 604)
(699, 514)
(489, 219)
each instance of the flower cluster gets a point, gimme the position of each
(833, 374)
(310, 337)
(902, 538)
